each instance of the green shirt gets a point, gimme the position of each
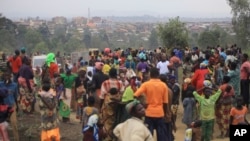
(128, 94)
(68, 80)
(207, 106)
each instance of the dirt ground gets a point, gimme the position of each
(179, 135)
(29, 129)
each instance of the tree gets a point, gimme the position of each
(153, 39)
(104, 37)
(241, 20)
(173, 33)
(87, 37)
(215, 36)
(73, 44)
(96, 41)
(207, 38)
(7, 34)
(60, 33)
(41, 47)
(32, 37)
(7, 39)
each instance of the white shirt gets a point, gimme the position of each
(91, 69)
(194, 57)
(163, 67)
(230, 58)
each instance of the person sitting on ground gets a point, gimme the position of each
(133, 129)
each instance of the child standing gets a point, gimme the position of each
(89, 110)
(80, 91)
(207, 110)
(196, 130)
(189, 105)
(49, 123)
(238, 113)
(91, 130)
(5, 113)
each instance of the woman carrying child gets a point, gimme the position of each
(223, 107)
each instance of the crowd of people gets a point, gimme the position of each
(127, 94)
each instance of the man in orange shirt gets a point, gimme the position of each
(15, 64)
(156, 93)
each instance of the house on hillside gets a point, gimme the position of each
(59, 20)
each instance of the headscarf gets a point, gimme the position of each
(50, 58)
(92, 122)
(207, 83)
(142, 56)
(23, 50)
(203, 65)
(132, 104)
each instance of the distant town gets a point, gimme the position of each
(128, 25)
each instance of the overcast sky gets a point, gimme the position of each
(71, 8)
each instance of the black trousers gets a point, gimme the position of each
(244, 91)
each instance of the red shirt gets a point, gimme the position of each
(16, 63)
(198, 79)
(53, 69)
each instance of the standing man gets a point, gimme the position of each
(98, 78)
(23, 55)
(163, 65)
(175, 63)
(156, 93)
(15, 63)
(11, 100)
(244, 76)
(111, 93)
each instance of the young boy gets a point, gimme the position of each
(5, 112)
(47, 104)
(207, 110)
(196, 130)
(89, 110)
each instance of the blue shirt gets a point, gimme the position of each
(130, 65)
(12, 93)
(223, 54)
